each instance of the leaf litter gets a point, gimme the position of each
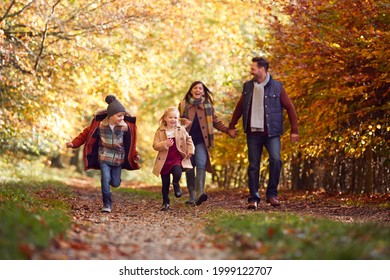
(137, 229)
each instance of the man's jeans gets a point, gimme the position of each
(255, 144)
(110, 175)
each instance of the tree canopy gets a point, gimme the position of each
(59, 59)
(334, 60)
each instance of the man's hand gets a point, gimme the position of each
(232, 133)
(294, 137)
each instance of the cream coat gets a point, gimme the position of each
(184, 145)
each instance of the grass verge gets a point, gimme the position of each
(287, 236)
(30, 216)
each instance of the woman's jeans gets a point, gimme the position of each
(198, 160)
(110, 175)
(255, 144)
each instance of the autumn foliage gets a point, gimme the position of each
(58, 59)
(333, 57)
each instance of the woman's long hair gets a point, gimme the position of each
(208, 95)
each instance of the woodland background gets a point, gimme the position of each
(59, 59)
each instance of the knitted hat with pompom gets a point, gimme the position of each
(114, 106)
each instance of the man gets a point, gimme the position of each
(261, 106)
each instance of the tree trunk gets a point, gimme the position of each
(77, 160)
(360, 176)
(295, 172)
(369, 185)
(343, 175)
(353, 176)
(56, 162)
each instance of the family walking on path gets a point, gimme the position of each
(186, 134)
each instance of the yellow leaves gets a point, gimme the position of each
(335, 45)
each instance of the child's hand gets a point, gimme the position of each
(188, 156)
(169, 142)
(69, 144)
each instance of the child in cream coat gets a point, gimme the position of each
(175, 148)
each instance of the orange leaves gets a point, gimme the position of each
(343, 57)
(271, 232)
(27, 250)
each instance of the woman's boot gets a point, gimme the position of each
(199, 186)
(190, 178)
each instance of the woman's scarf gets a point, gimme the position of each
(208, 111)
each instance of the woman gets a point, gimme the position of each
(197, 107)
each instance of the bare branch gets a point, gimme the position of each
(44, 35)
(23, 45)
(6, 15)
(7, 11)
(14, 63)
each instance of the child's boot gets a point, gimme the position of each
(177, 190)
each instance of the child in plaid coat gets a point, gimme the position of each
(110, 145)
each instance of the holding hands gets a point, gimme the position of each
(185, 122)
(232, 132)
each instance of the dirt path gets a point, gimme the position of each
(137, 229)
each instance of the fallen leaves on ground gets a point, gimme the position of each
(137, 229)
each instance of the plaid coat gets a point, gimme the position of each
(90, 137)
(112, 150)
